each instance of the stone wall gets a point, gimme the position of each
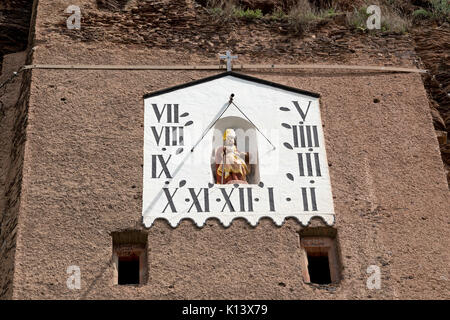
(82, 167)
(185, 25)
(13, 118)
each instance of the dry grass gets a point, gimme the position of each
(303, 16)
(439, 11)
(391, 19)
(229, 9)
(225, 9)
(300, 17)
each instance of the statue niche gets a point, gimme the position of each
(232, 165)
(234, 152)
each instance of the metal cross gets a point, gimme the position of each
(229, 59)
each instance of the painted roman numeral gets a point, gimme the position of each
(306, 201)
(305, 158)
(242, 199)
(309, 137)
(169, 198)
(172, 135)
(171, 111)
(227, 199)
(300, 110)
(196, 201)
(316, 137)
(158, 159)
(271, 199)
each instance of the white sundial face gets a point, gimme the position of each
(277, 166)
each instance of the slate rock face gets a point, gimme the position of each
(112, 4)
(15, 18)
(266, 6)
(433, 47)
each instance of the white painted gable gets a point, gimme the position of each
(287, 148)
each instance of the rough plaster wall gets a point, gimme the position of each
(12, 136)
(83, 180)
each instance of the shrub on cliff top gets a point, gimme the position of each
(439, 11)
(227, 10)
(248, 14)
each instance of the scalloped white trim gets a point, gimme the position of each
(252, 219)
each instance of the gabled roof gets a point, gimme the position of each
(234, 74)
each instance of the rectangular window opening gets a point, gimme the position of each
(319, 268)
(128, 270)
(130, 258)
(320, 262)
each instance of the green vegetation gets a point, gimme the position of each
(439, 11)
(228, 11)
(278, 14)
(422, 14)
(303, 16)
(248, 14)
(300, 17)
(358, 18)
(216, 11)
(329, 13)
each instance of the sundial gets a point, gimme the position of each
(267, 137)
